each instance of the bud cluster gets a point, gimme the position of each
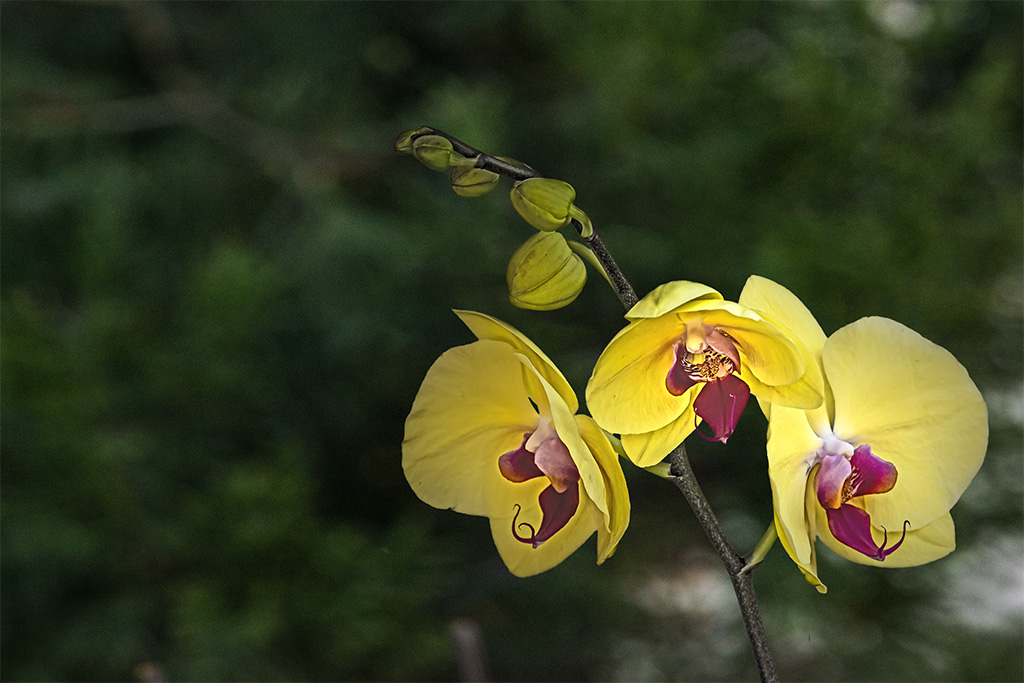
(437, 153)
(547, 271)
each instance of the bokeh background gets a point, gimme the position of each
(221, 290)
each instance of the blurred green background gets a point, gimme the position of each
(221, 290)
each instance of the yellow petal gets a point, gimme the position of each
(612, 525)
(651, 448)
(471, 408)
(765, 350)
(805, 393)
(565, 425)
(522, 559)
(626, 393)
(486, 327)
(669, 296)
(782, 308)
(920, 546)
(914, 404)
(792, 446)
(810, 568)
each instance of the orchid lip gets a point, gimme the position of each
(518, 465)
(841, 479)
(720, 403)
(542, 454)
(709, 357)
(558, 509)
(851, 526)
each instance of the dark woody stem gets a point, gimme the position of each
(680, 471)
(485, 161)
(623, 289)
(682, 476)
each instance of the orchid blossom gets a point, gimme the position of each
(875, 470)
(685, 356)
(493, 432)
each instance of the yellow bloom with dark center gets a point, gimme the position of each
(902, 432)
(687, 355)
(493, 432)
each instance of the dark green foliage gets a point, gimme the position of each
(215, 321)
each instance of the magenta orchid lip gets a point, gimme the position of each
(723, 395)
(840, 480)
(550, 458)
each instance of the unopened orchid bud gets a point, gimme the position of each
(544, 273)
(403, 143)
(471, 181)
(544, 203)
(433, 151)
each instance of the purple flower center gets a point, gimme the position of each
(724, 395)
(840, 480)
(542, 454)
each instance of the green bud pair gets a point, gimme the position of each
(403, 143)
(545, 273)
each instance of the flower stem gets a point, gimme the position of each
(742, 581)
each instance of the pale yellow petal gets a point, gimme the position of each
(487, 327)
(626, 392)
(612, 525)
(765, 350)
(782, 308)
(650, 448)
(914, 404)
(565, 425)
(522, 559)
(809, 568)
(669, 296)
(805, 393)
(921, 546)
(471, 408)
(792, 446)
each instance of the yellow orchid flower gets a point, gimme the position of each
(688, 355)
(901, 434)
(493, 432)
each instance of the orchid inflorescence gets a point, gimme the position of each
(874, 432)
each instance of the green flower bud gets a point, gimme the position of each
(472, 182)
(403, 143)
(433, 151)
(544, 273)
(543, 203)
